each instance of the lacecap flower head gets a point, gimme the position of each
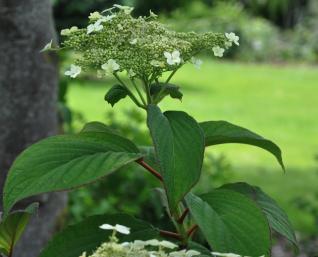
(115, 41)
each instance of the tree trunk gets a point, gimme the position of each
(28, 95)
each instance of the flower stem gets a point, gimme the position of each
(170, 76)
(147, 89)
(150, 169)
(139, 93)
(183, 216)
(131, 95)
(192, 230)
(162, 90)
(170, 234)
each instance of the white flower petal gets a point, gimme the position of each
(168, 244)
(196, 62)
(90, 28)
(232, 38)
(191, 253)
(47, 47)
(140, 244)
(173, 58)
(167, 55)
(153, 242)
(126, 9)
(95, 16)
(226, 254)
(107, 227)
(122, 229)
(74, 71)
(126, 244)
(218, 51)
(175, 54)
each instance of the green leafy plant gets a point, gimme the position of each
(235, 219)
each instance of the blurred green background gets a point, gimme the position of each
(269, 84)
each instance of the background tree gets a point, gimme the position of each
(28, 92)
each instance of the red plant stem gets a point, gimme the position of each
(183, 216)
(170, 234)
(150, 169)
(192, 230)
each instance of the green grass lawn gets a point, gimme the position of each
(278, 102)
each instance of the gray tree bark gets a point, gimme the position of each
(28, 95)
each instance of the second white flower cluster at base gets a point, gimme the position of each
(139, 247)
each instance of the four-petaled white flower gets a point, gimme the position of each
(111, 66)
(95, 16)
(173, 58)
(74, 71)
(233, 38)
(126, 9)
(66, 32)
(196, 62)
(218, 51)
(97, 26)
(184, 253)
(47, 47)
(118, 228)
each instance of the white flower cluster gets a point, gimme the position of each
(139, 247)
(114, 41)
(149, 248)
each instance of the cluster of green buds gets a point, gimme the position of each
(143, 48)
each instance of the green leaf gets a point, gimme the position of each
(179, 145)
(277, 218)
(222, 132)
(231, 222)
(96, 126)
(86, 236)
(12, 227)
(66, 162)
(164, 90)
(115, 94)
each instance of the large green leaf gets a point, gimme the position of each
(66, 162)
(179, 146)
(222, 132)
(12, 227)
(231, 222)
(86, 236)
(277, 218)
(96, 126)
